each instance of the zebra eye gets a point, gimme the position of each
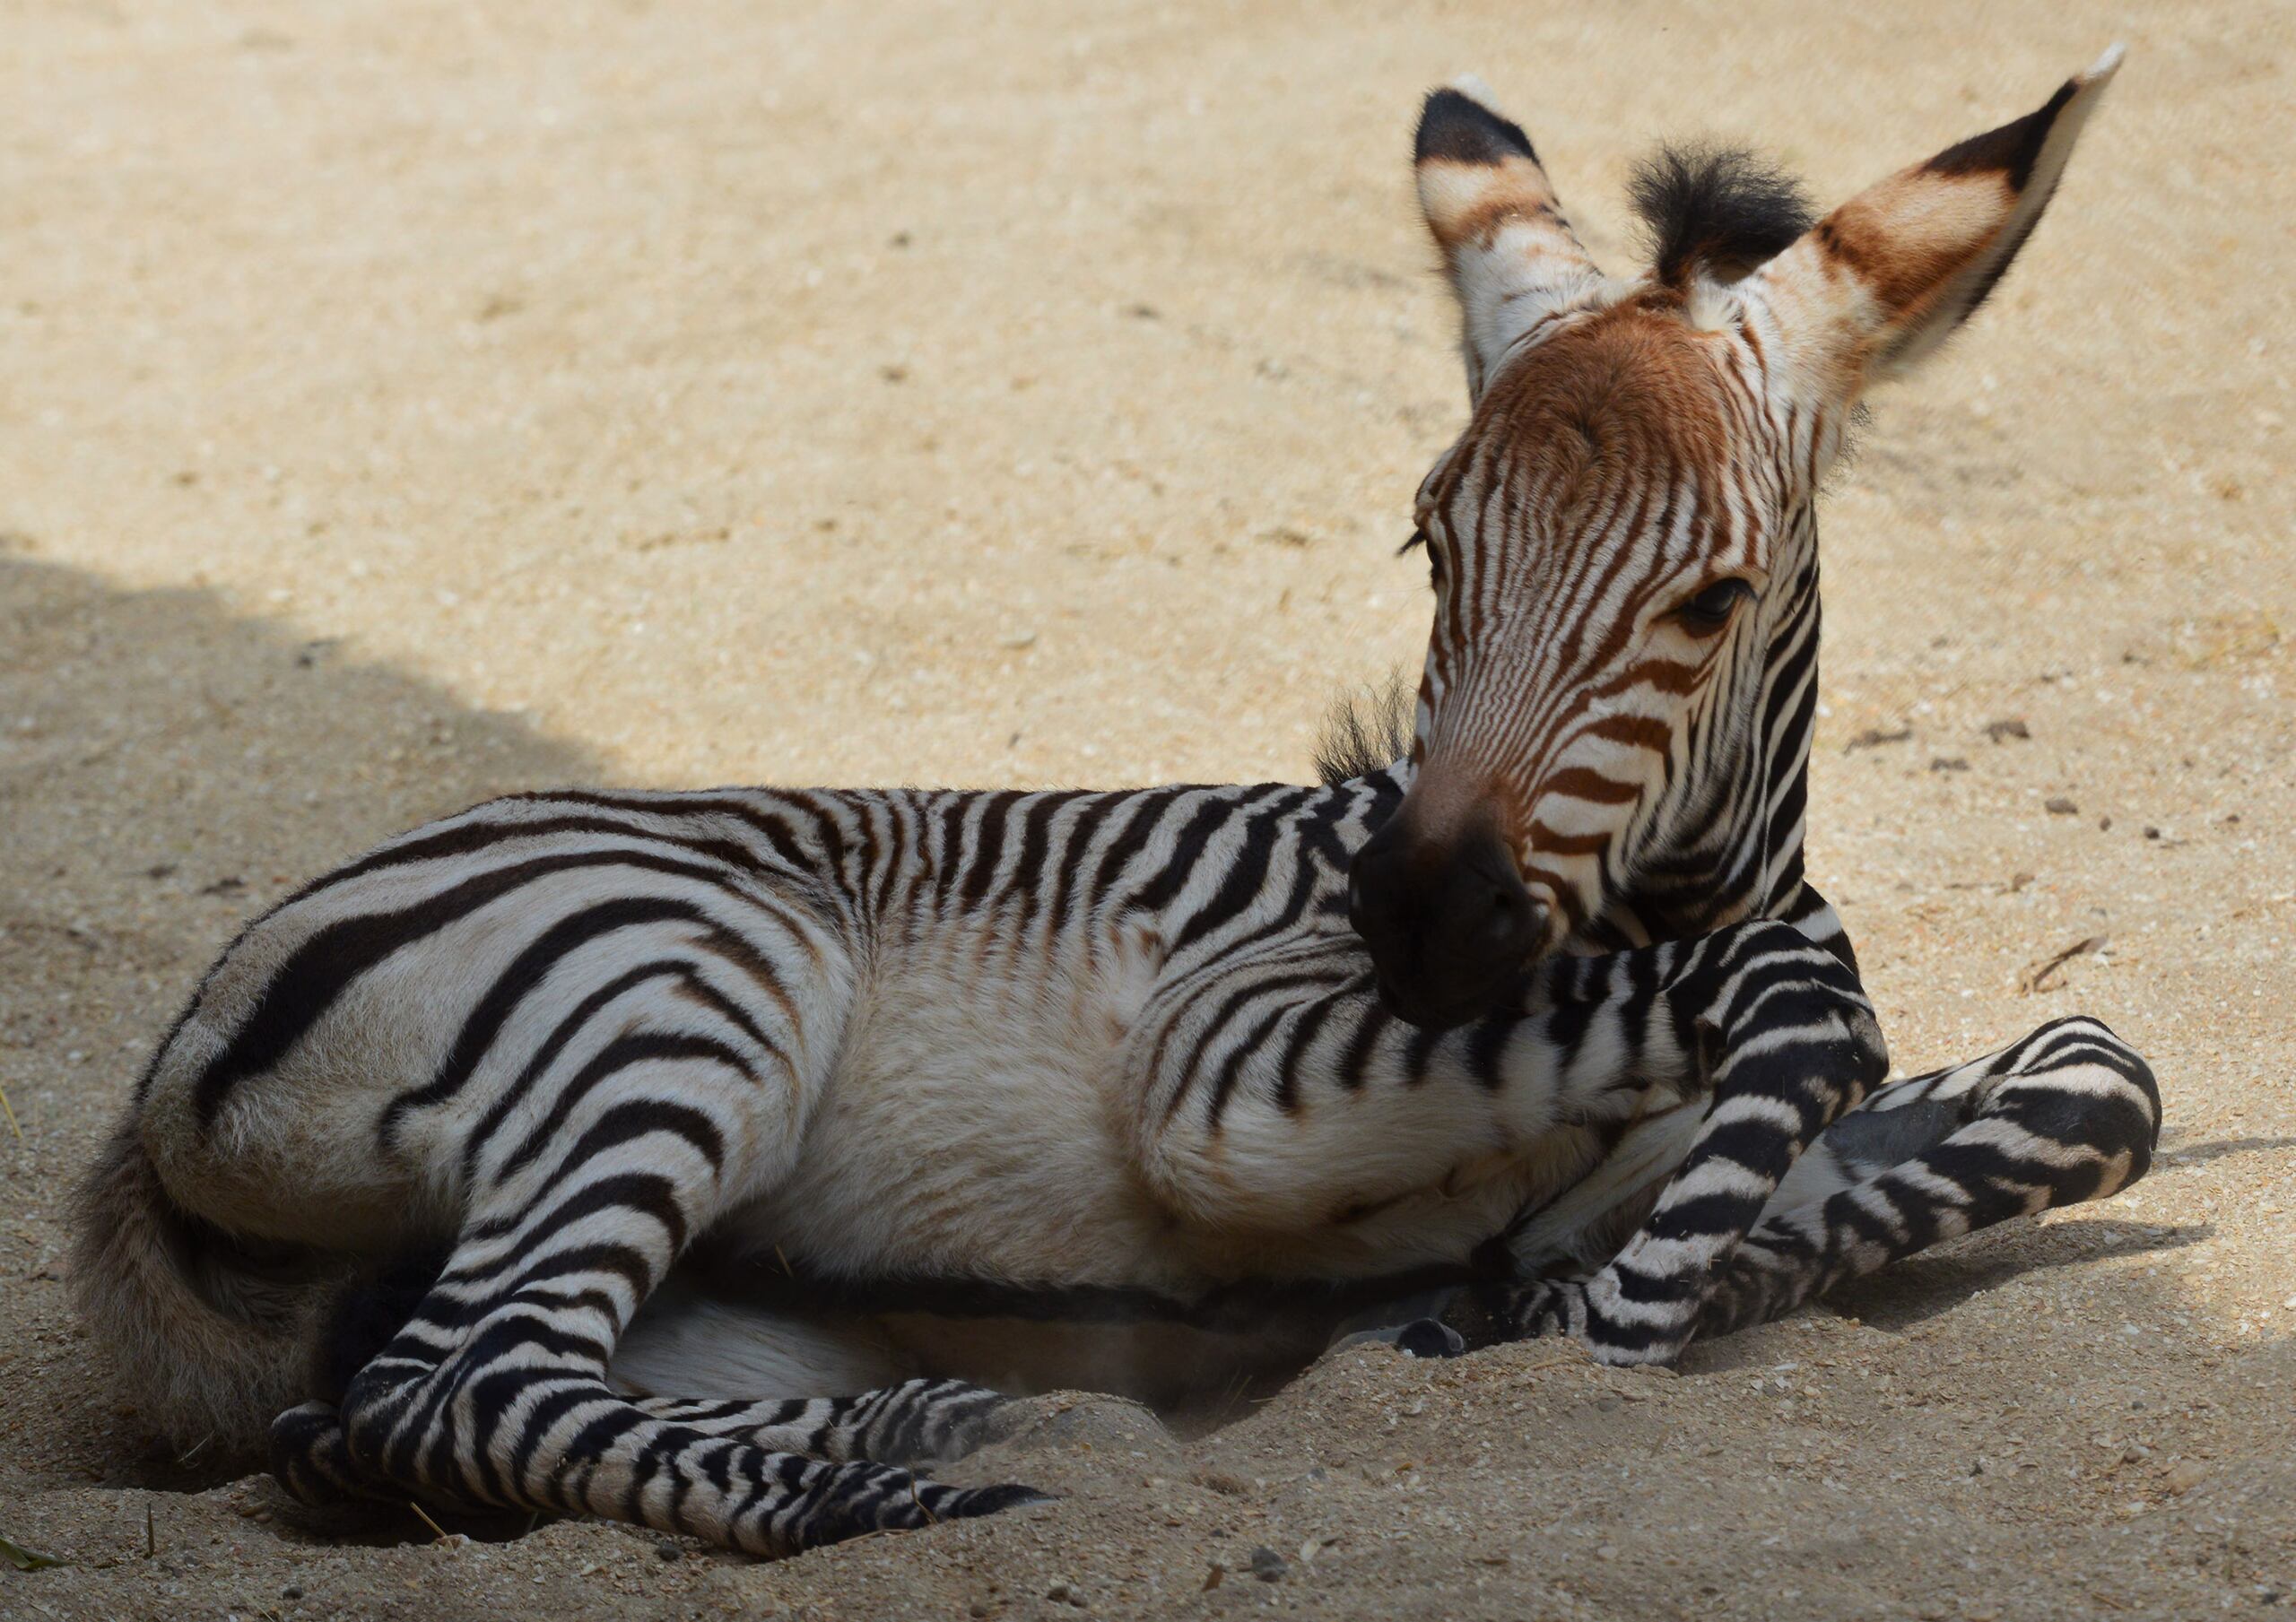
(1434, 558)
(1709, 612)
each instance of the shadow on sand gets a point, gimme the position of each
(168, 768)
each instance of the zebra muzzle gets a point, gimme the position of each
(1450, 925)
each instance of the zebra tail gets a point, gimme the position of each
(212, 1338)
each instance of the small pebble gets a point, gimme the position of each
(668, 1550)
(1269, 1566)
(2058, 805)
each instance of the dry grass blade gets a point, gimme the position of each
(24, 1559)
(1874, 737)
(10, 1110)
(2036, 977)
(427, 1520)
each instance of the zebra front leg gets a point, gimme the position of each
(2069, 1114)
(1794, 1044)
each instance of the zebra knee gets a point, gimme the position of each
(1774, 987)
(2090, 1100)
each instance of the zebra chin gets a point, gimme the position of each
(1443, 999)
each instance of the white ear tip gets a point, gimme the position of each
(1471, 85)
(2103, 67)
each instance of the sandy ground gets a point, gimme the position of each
(403, 401)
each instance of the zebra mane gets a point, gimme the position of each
(1722, 210)
(1367, 729)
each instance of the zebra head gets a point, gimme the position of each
(1613, 718)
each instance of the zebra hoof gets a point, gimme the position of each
(854, 1500)
(1430, 1338)
(996, 1500)
(311, 1458)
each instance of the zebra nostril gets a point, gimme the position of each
(1513, 926)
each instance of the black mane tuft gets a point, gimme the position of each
(1367, 730)
(1717, 209)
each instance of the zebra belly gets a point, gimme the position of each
(746, 1330)
(983, 1128)
(973, 1125)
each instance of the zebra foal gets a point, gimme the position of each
(688, 1158)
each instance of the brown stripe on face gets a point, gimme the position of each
(1665, 676)
(1553, 842)
(1636, 732)
(1584, 783)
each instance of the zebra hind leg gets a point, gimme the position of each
(2067, 1115)
(495, 1393)
(755, 1361)
(918, 1421)
(514, 1412)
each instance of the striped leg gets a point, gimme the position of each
(519, 1416)
(915, 1422)
(2069, 1114)
(496, 1391)
(1794, 1044)
(310, 1457)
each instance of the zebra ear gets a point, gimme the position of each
(1509, 252)
(1887, 277)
